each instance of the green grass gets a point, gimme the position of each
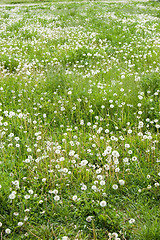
(33, 1)
(79, 113)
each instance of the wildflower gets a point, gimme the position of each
(89, 218)
(111, 106)
(29, 149)
(20, 224)
(115, 186)
(121, 182)
(129, 131)
(115, 235)
(8, 231)
(16, 214)
(82, 122)
(0, 224)
(56, 198)
(140, 124)
(99, 177)
(102, 182)
(25, 218)
(71, 153)
(84, 187)
(27, 196)
(117, 169)
(74, 198)
(156, 184)
(30, 191)
(127, 145)
(134, 158)
(65, 238)
(132, 220)
(43, 179)
(103, 203)
(107, 131)
(84, 162)
(55, 191)
(115, 154)
(94, 187)
(12, 195)
(107, 151)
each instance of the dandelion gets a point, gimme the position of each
(56, 198)
(25, 218)
(8, 231)
(102, 183)
(121, 182)
(94, 188)
(99, 177)
(84, 187)
(29, 149)
(20, 224)
(55, 191)
(74, 198)
(115, 235)
(115, 154)
(117, 169)
(30, 191)
(156, 184)
(132, 220)
(111, 106)
(115, 186)
(65, 238)
(107, 151)
(140, 124)
(43, 179)
(134, 158)
(84, 162)
(12, 196)
(89, 218)
(103, 203)
(129, 131)
(82, 122)
(71, 153)
(130, 152)
(106, 130)
(127, 145)
(27, 197)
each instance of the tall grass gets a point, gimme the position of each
(79, 121)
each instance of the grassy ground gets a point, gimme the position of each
(79, 121)
(35, 1)
(40, 1)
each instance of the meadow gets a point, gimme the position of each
(79, 121)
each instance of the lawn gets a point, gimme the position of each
(79, 121)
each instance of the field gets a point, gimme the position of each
(79, 121)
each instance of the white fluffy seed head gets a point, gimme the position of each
(103, 203)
